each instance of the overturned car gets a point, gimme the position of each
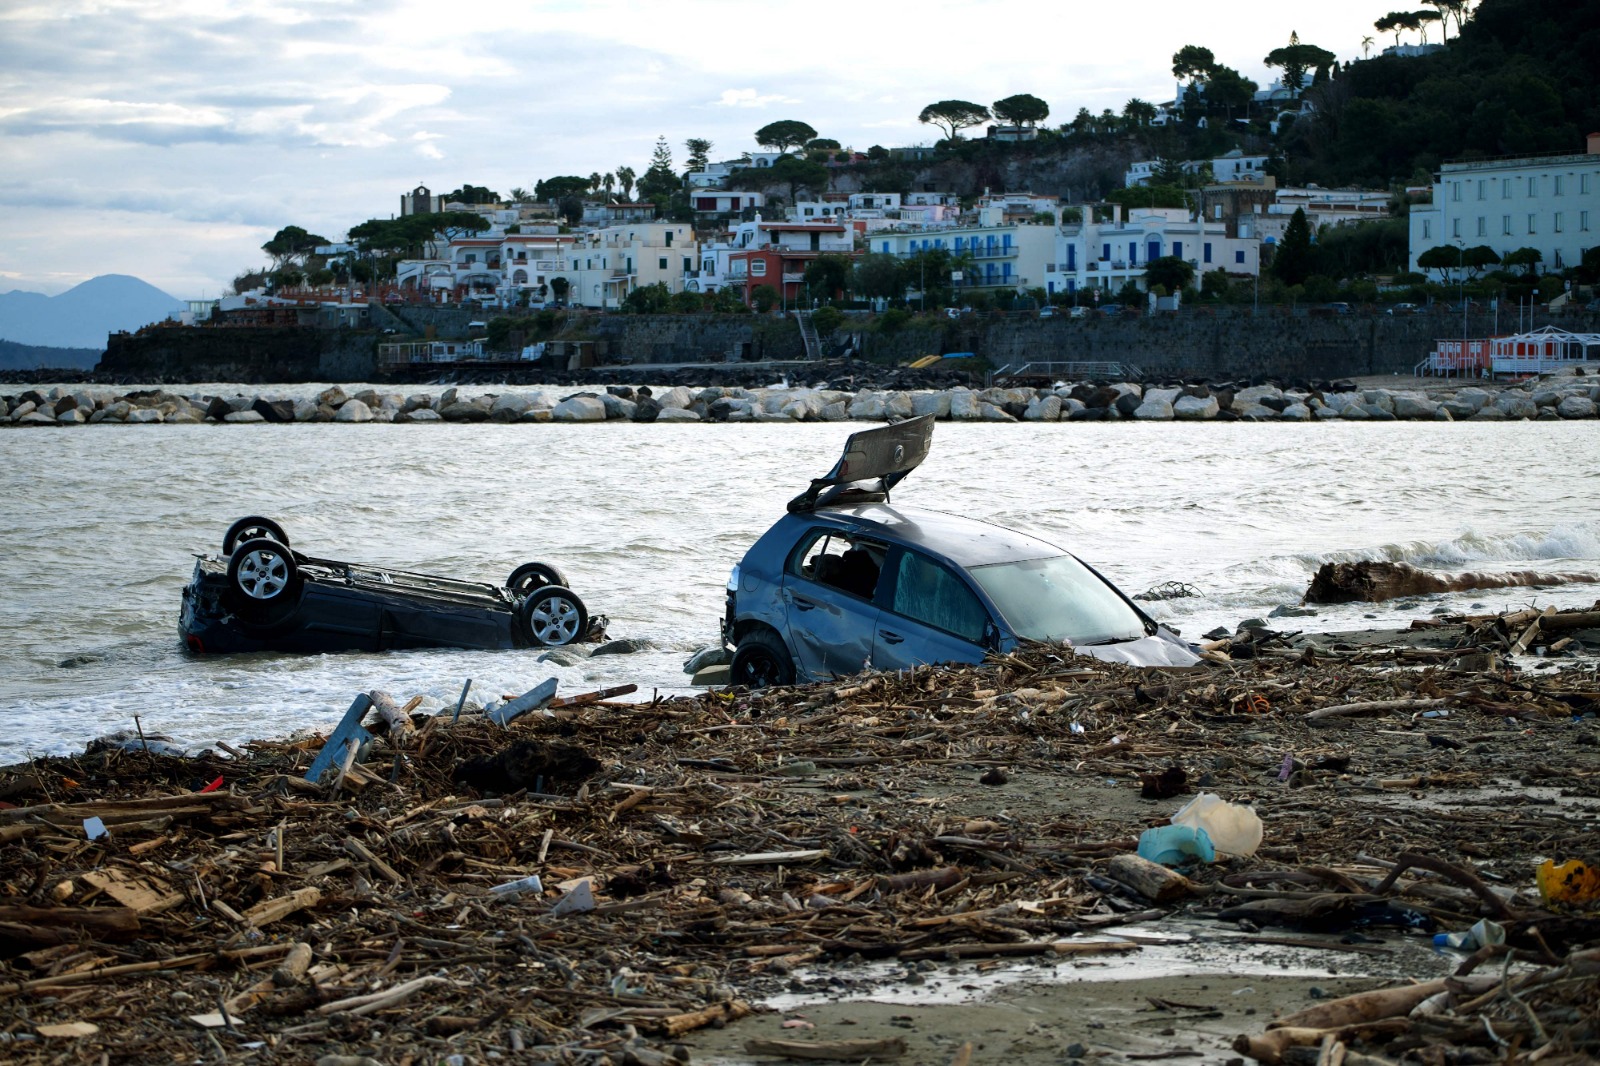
(845, 582)
(262, 595)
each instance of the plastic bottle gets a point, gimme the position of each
(531, 883)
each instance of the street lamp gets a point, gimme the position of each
(1461, 292)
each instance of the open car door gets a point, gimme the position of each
(874, 461)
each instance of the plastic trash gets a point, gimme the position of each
(1572, 882)
(1174, 845)
(94, 828)
(531, 883)
(1481, 935)
(1235, 830)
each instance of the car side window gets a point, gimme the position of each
(830, 558)
(929, 593)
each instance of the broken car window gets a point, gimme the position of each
(928, 593)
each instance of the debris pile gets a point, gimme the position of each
(620, 875)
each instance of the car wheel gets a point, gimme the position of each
(761, 661)
(263, 573)
(529, 576)
(553, 616)
(253, 528)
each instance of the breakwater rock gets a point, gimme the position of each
(1561, 398)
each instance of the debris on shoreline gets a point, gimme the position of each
(1553, 399)
(675, 862)
(1374, 582)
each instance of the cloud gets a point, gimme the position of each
(750, 98)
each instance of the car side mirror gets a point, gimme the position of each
(991, 636)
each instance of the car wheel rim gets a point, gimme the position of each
(263, 575)
(760, 671)
(555, 621)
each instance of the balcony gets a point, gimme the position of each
(793, 279)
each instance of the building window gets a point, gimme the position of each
(1505, 225)
(758, 267)
(1556, 226)
(1455, 227)
(1505, 188)
(1583, 221)
(1557, 189)
(661, 264)
(1533, 187)
(1105, 251)
(1238, 257)
(1583, 184)
(1177, 249)
(1206, 252)
(1483, 226)
(1455, 190)
(1427, 229)
(1532, 218)
(1483, 187)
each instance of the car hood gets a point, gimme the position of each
(1162, 649)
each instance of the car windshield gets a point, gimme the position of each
(1058, 599)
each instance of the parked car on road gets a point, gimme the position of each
(1404, 309)
(845, 581)
(1339, 308)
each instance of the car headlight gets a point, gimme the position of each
(733, 579)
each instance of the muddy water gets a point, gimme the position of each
(102, 523)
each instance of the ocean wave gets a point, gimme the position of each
(1575, 541)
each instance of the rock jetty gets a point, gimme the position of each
(1553, 399)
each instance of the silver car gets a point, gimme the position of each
(846, 581)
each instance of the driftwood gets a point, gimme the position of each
(1374, 582)
(844, 1050)
(1151, 880)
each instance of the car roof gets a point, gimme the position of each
(964, 541)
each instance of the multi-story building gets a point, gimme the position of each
(603, 265)
(1002, 256)
(1547, 202)
(778, 253)
(1105, 249)
(496, 271)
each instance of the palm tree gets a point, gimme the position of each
(594, 182)
(625, 176)
(609, 180)
(1366, 47)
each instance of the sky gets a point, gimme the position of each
(169, 140)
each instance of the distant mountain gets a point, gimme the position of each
(83, 316)
(15, 356)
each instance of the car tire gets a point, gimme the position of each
(761, 661)
(264, 577)
(553, 616)
(530, 576)
(252, 528)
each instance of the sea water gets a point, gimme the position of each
(102, 523)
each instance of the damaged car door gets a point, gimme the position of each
(931, 614)
(830, 584)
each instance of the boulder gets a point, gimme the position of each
(148, 414)
(617, 407)
(837, 411)
(1296, 412)
(1478, 398)
(1489, 413)
(75, 416)
(1166, 396)
(1377, 413)
(803, 407)
(898, 405)
(868, 407)
(217, 409)
(580, 409)
(541, 415)
(116, 412)
(305, 410)
(462, 411)
(1193, 408)
(1356, 412)
(369, 397)
(36, 417)
(1070, 407)
(1044, 409)
(1513, 404)
(989, 412)
(679, 397)
(1414, 406)
(1255, 394)
(184, 416)
(1155, 408)
(1576, 407)
(677, 414)
(274, 410)
(334, 397)
(1254, 412)
(354, 411)
(418, 414)
(508, 406)
(417, 401)
(645, 408)
(1382, 399)
(936, 404)
(1458, 409)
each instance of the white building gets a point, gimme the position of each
(1007, 256)
(603, 265)
(724, 202)
(1235, 166)
(1549, 202)
(492, 271)
(1106, 250)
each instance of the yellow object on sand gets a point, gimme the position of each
(1574, 881)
